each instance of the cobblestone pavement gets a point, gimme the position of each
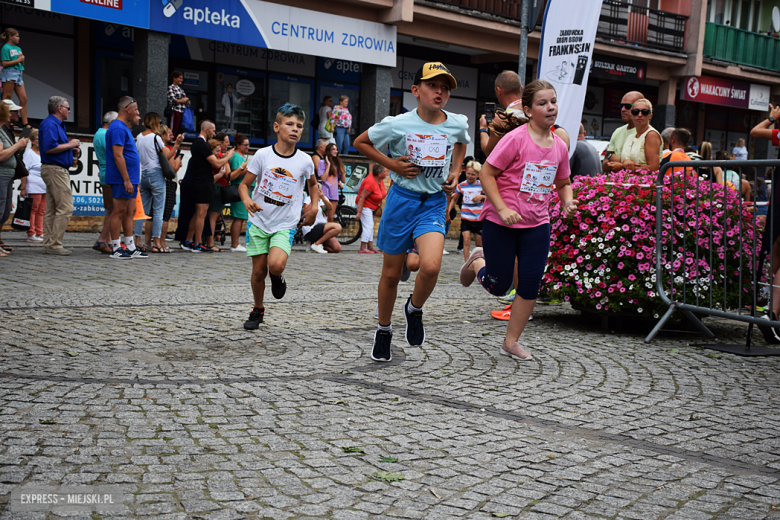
(139, 374)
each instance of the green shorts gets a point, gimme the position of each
(262, 242)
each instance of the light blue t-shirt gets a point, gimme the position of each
(99, 143)
(391, 132)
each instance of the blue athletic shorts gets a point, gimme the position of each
(408, 215)
(118, 191)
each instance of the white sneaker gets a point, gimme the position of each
(238, 249)
(35, 238)
(318, 248)
(445, 252)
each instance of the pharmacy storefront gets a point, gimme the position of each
(268, 54)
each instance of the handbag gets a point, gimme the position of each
(21, 169)
(21, 219)
(230, 193)
(168, 112)
(168, 172)
(188, 119)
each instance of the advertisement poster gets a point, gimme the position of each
(565, 53)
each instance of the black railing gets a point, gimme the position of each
(621, 22)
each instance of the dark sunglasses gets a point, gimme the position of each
(627, 106)
(645, 111)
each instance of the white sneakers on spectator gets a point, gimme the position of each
(35, 238)
(238, 249)
(318, 248)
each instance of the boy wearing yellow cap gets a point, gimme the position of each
(427, 146)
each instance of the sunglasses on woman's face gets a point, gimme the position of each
(644, 111)
(627, 106)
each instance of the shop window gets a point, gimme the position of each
(289, 89)
(336, 90)
(245, 114)
(115, 79)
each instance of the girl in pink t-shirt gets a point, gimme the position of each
(518, 178)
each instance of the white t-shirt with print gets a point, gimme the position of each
(321, 217)
(279, 188)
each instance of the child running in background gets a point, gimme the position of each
(416, 205)
(473, 198)
(275, 206)
(518, 179)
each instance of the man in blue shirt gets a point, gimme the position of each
(123, 175)
(57, 155)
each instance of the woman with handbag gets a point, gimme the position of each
(372, 192)
(152, 187)
(177, 101)
(341, 122)
(237, 165)
(7, 169)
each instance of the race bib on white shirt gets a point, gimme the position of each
(277, 186)
(468, 196)
(538, 178)
(426, 150)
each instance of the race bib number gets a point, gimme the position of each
(468, 196)
(426, 150)
(538, 178)
(277, 185)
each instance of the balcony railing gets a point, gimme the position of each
(619, 22)
(726, 43)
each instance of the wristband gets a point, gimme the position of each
(771, 120)
(484, 130)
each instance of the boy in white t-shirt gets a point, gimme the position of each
(275, 206)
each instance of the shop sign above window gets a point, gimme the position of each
(725, 92)
(609, 67)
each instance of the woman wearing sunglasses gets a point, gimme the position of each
(642, 151)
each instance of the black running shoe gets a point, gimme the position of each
(278, 286)
(255, 319)
(415, 331)
(381, 351)
(771, 335)
(406, 273)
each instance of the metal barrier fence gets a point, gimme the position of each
(722, 273)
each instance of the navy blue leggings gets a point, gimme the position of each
(501, 245)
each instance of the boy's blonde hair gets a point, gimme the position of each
(474, 165)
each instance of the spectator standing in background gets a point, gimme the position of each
(332, 174)
(58, 153)
(319, 153)
(325, 115)
(740, 152)
(152, 185)
(13, 70)
(33, 186)
(620, 135)
(341, 123)
(170, 186)
(238, 164)
(642, 149)
(177, 100)
(123, 174)
(370, 196)
(585, 159)
(7, 170)
(666, 137)
(103, 243)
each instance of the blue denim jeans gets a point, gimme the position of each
(152, 190)
(342, 139)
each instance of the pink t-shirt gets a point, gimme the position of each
(510, 156)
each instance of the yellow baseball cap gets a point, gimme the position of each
(433, 69)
